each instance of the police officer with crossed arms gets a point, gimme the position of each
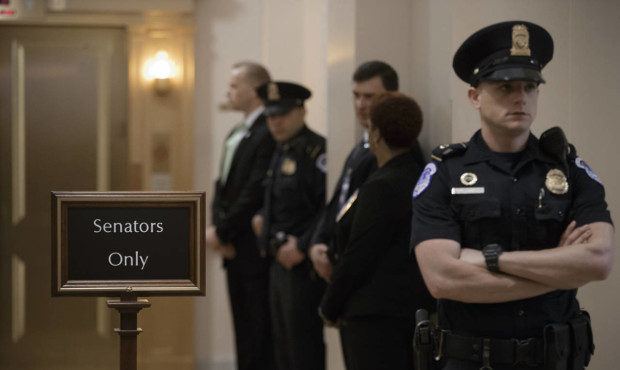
(507, 226)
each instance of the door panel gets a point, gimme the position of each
(62, 127)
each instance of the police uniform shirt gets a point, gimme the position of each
(296, 186)
(475, 197)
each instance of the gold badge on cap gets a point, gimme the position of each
(556, 182)
(520, 40)
(469, 179)
(289, 166)
(273, 93)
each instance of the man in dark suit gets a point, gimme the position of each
(370, 79)
(238, 195)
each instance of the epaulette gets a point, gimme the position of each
(313, 151)
(446, 151)
(572, 152)
(297, 144)
(302, 147)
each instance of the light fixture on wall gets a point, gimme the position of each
(160, 69)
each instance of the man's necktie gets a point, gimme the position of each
(229, 150)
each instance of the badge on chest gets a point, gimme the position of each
(556, 182)
(289, 166)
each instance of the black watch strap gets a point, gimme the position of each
(491, 254)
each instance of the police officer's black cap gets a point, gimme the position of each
(514, 50)
(281, 97)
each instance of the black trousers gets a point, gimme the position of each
(297, 328)
(249, 301)
(375, 343)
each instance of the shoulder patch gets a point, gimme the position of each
(321, 163)
(584, 166)
(425, 179)
(446, 151)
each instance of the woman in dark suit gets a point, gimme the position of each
(376, 288)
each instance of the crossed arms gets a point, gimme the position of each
(584, 254)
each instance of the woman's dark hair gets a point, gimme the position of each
(397, 117)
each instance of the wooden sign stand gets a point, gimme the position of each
(127, 244)
(128, 306)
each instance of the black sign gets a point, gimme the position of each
(110, 243)
(128, 243)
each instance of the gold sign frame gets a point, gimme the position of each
(105, 285)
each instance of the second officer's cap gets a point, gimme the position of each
(514, 50)
(281, 97)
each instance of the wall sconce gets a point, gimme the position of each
(160, 69)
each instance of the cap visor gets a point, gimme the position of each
(515, 73)
(276, 110)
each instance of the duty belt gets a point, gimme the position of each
(491, 351)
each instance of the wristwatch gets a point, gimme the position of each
(491, 254)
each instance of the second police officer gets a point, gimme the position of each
(294, 197)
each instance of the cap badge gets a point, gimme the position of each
(289, 166)
(556, 182)
(273, 93)
(520, 41)
(469, 179)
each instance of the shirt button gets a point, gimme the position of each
(521, 313)
(514, 179)
(518, 211)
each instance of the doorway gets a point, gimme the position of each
(63, 127)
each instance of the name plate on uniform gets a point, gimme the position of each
(111, 243)
(469, 190)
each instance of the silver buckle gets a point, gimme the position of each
(486, 354)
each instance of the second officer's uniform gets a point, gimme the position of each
(294, 198)
(360, 164)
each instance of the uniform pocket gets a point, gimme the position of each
(480, 219)
(552, 210)
(287, 182)
(551, 220)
